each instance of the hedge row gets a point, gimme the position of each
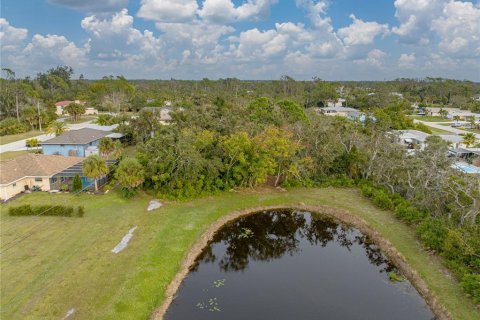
(459, 246)
(59, 211)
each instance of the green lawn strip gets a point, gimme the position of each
(20, 136)
(439, 131)
(68, 263)
(431, 118)
(12, 154)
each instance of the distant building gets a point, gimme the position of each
(76, 143)
(161, 113)
(412, 139)
(336, 111)
(60, 106)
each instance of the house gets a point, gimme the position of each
(161, 113)
(336, 111)
(91, 111)
(412, 139)
(60, 105)
(24, 172)
(76, 143)
(360, 116)
(338, 103)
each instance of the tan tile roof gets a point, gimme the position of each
(34, 165)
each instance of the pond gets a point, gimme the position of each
(285, 264)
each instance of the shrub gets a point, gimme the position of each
(11, 126)
(36, 188)
(424, 128)
(81, 211)
(471, 285)
(408, 213)
(77, 183)
(432, 232)
(45, 210)
(382, 200)
(64, 188)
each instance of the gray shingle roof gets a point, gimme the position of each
(81, 136)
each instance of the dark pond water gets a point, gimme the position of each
(291, 265)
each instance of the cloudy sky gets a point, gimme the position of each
(247, 39)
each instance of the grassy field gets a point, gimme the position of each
(67, 262)
(15, 137)
(81, 120)
(12, 154)
(431, 118)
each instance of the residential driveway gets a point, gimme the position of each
(446, 128)
(20, 144)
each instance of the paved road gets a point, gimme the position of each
(446, 128)
(20, 144)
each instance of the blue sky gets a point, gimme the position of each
(249, 39)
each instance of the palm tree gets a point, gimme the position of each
(56, 128)
(469, 139)
(130, 174)
(443, 113)
(94, 168)
(106, 146)
(456, 118)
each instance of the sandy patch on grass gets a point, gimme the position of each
(124, 242)
(342, 215)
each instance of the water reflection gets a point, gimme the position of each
(273, 234)
(286, 265)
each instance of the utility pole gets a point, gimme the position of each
(16, 105)
(39, 116)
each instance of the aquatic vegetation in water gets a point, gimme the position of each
(218, 283)
(395, 277)
(211, 305)
(246, 233)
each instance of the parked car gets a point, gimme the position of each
(456, 125)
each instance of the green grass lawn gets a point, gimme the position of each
(67, 262)
(439, 131)
(20, 136)
(431, 118)
(12, 154)
(81, 120)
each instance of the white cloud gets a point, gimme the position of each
(168, 10)
(114, 39)
(361, 33)
(415, 17)
(93, 5)
(407, 61)
(317, 11)
(375, 58)
(10, 37)
(46, 51)
(221, 11)
(459, 29)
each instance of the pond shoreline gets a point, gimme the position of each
(342, 215)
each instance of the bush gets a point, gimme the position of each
(77, 183)
(11, 126)
(45, 210)
(382, 200)
(64, 188)
(471, 285)
(81, 211)
(406, 212)
(36, 188)
(432, 232)
(424, 128)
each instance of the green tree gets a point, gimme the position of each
(56, 128)
(94, 168)
(469, 139)
(32, 143)
(106, 146)
(75, 110)
(30, 115)
(130, 174)
(443, 113)
(77, 183)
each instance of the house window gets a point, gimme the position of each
(38, 179)
(54, 180)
